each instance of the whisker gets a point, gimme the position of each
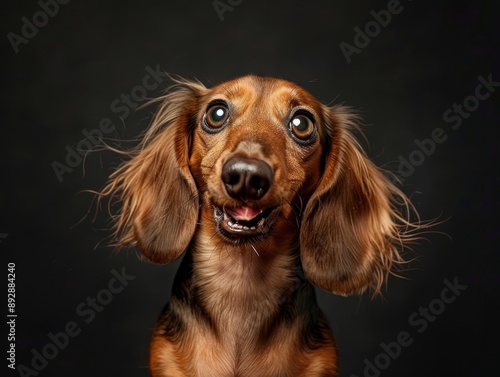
(254, 249)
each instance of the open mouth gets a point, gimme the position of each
(244, 223)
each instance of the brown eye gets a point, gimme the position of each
(216, 117)
(302, 127)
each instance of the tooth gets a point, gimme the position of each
(246, 228)
(235, 226)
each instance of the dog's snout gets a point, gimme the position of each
(247, 178)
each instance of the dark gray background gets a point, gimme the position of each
(65, 78)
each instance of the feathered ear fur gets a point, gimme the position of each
(351, 227)
(155, 189)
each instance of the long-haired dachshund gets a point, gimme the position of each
(267, 192)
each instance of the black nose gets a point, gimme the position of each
(246, 178)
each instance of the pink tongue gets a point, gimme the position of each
(243, 213)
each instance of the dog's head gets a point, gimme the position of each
(256, 155)
(255, 158)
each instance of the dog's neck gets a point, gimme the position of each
(242, 284)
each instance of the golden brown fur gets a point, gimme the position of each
(316, 211)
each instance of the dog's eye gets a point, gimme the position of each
(302, 127)
(216, 117)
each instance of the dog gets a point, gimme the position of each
(267, 193)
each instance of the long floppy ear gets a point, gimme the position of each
(155, 190)
(351, 228)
